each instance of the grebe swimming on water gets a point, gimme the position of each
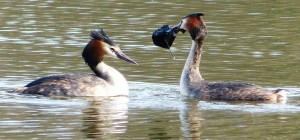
(106, 81)
(192, 84)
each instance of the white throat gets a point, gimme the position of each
(114, 78)
(190, 76)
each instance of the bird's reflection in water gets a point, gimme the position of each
(190, 119)
(106, 117)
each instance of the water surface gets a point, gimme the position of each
(252, 41)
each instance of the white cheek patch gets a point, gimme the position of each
(183, 24)
(108, 51)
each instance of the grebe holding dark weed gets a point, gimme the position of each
(191, 82)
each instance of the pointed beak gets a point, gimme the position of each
(177, 28)
(122, 56)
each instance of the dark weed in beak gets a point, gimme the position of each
(164, 37)
(177, 29)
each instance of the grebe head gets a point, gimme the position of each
(101, 46)
(194, 24)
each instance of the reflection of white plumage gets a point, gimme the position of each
(192, 84)
(104, 118)
(190, 118)
(107, 81)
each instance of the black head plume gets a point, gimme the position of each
(194, 14)
(101, 35)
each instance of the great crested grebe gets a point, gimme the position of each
(106, 81)
(192, 84)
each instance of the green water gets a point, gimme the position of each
(250, 41)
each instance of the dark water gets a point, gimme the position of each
(252, 41)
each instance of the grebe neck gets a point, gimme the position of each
(109, 74)
(100, 70)
(191, 76)
(192, 63)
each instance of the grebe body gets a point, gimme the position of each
(106, 81)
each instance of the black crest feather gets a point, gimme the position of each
(101, 35)
(195, 14)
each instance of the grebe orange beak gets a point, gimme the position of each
(100, 46)
(192, 23)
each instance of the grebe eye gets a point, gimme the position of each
(113, 50)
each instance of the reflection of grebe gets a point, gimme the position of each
(107, 81)
(192, 84)
(105, 118)
(190, 118)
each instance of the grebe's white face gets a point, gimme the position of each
(116, 52)
(194, 25)
(110, 50)
(183, 24)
